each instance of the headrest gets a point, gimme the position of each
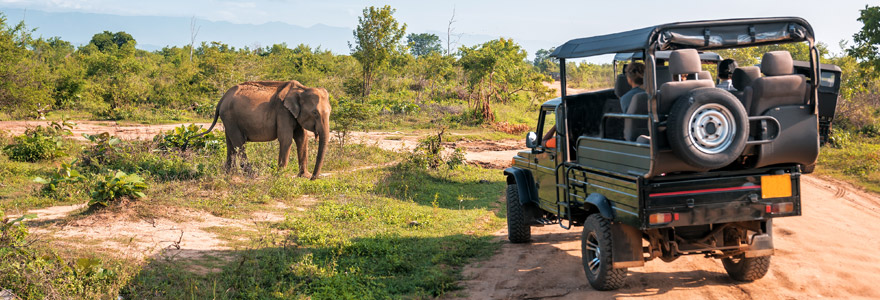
(684, 61)
(743, 77)
(777, 63)
(621, 86)
(705, 75)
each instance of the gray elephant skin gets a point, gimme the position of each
(262, 111)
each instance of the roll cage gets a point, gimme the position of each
(699, 35)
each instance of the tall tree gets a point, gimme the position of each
(423, 43)
(109, 41)
(377, 38)
(867, 41)
(544, 63)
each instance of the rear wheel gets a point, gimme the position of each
(518, 231)
(746, 268)
(596, 255)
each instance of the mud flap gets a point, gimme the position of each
(626, 246)
(761, 245)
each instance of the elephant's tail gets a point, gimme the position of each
(216, 115)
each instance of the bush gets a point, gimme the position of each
(39, 143)
(104, 146)
(429, 153)
(112, 187)
(184, 137)
(59, 184)
(33, 275)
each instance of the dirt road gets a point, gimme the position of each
(829, 252)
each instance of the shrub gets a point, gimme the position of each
(39, 143)
(429, 153)
(184, 137)
(59, 183)
(348, 116)
(34, 275)
(112, 187)
(104, 146)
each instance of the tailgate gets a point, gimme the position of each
(720, 199)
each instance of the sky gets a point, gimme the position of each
(550, 22)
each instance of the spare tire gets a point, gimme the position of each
(708, 128)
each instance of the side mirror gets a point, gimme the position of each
(532, 140)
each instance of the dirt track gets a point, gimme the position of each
(829, 252)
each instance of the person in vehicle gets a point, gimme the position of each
(635, 76)
(550, 138)
(725, 72)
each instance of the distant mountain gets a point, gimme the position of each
(155, 32)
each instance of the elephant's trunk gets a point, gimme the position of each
(322, 133)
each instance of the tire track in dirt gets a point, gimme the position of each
(828, 252)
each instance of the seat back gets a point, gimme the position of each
(681, 62)
(742, 78)
(621, 86)
(779, 87)
(633, 128)
(663, 75)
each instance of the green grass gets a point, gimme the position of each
(855, 159)
(378, 229)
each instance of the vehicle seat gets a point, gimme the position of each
(742, 78)
(663, 75)
(681, 62)
(704, 75)
(633, 128)
(778, 87)
(621, 86)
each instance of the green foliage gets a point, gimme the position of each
(184, 137)
(348, 116)
(544, 62)
(377, 39)
(853, 157)
(497, 70)
(114, 186)
(430, 153)
(421, 44)
(34, 274)
(104, 146)
(867, 40)
(61, 180)
(39, 143)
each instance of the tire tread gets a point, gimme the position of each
(517, 229)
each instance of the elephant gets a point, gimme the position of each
(262, 111)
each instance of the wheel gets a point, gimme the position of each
(596, 255)
(708, 128)
(518, 231)
(746, 268)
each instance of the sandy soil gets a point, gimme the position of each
(556, 86)
(124, 131)
(829, 252)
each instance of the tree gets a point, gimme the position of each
(109, 41)
(544, 62)
(377, 38)
(497, 70)
(423, 43)
(867, 41)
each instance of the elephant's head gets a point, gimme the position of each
(311, 108)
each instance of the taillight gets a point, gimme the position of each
(780, 208)
(662, 218)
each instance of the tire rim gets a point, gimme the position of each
(592, 252)
(712, 128)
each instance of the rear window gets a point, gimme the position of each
(826, 79)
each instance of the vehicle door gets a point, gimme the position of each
(545, 159)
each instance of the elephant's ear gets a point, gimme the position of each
(290, 96)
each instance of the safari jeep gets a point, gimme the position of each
(688, 169)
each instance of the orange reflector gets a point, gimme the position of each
(551, 143)
(660, 218)
(513, 161)
(782, 208)
(776, 186)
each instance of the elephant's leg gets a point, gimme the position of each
(234, 146)
(302, 151)
(284, 141)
